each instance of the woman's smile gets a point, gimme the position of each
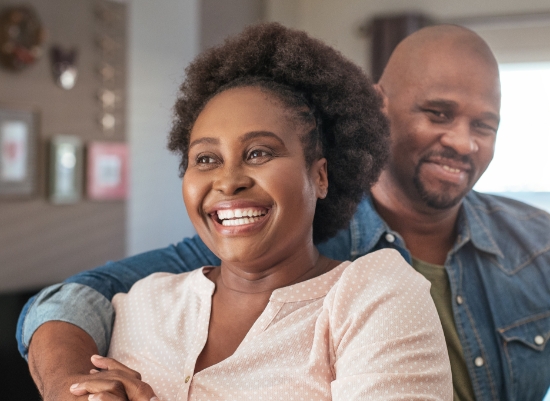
(239, 218)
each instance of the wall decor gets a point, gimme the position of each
(107, 171)
(110, 39)
(21, 37)
(18, 138)
(66, 169)
(64, 66)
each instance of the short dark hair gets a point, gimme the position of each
(350, 130)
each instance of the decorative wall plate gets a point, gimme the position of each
(21, 37)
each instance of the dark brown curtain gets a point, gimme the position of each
(386, 32)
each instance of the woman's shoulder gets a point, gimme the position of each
(381, 276)
(164, 285)
(383, 266)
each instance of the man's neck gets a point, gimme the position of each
(429, 234)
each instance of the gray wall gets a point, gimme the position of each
(163, 40)
(222, 18)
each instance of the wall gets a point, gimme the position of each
(163, 40)
(41, 243)
(338, 23)
(222, 18)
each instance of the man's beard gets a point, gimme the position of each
(444, 198)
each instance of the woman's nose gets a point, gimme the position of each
(232, 180)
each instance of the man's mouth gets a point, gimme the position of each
(239, 217)
(450, 169)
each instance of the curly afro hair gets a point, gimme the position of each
(305, 74)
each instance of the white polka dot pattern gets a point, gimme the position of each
(366, 330)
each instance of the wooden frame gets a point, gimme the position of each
(107, 171)
(18, 152)
(66, 169)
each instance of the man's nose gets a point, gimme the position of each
(460, 138)
(231, 180)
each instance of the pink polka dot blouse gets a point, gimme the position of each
(366, 330)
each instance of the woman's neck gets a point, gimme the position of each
(244, 280)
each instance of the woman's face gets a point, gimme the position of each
(247, 189)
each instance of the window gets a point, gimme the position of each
(521, 166)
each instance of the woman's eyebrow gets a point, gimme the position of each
(257, 134)
(213, 141)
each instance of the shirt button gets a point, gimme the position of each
(539, 340)
(479, 361)
(390, 238)
(459, 300)
(187, 379)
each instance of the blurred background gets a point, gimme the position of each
(75, 74)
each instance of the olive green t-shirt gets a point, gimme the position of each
(441, 294)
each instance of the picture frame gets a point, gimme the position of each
(66, 169)
(107, 171)
(18, 152)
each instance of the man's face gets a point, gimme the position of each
(444, 121)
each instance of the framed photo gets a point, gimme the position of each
(18, 139)
(66, 169)
(107, 171)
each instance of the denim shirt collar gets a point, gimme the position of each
(363, 241)
(470, 227)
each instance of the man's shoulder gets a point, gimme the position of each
(515, 231)
(494, 209)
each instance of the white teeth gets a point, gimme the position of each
(450, 169)
(239, 215)
(240, 222)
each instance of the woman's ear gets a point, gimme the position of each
(320, 177)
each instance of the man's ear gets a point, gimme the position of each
(380, 90)
(320, 177)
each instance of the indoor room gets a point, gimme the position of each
(87, 90)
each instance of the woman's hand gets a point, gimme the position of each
(116, 382)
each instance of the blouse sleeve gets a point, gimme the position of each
(387, 339)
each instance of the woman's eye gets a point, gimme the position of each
(257, 153)
(205, 160)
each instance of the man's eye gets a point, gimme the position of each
(485, 127)
(437, 114)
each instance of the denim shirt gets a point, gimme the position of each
(499, 273)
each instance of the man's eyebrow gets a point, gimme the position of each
(213, 141)
(440, 103)
(491, 116)
(449, 104)
(258, 134)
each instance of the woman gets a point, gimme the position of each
(263, 124)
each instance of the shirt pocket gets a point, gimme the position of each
(528, 356)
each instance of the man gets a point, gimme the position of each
(488, 258)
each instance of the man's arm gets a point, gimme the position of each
(66, 360)
(84, 299)
(65, 324)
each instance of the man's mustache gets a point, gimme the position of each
(449, 154)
